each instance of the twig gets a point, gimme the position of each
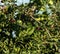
(48, 32)
(34, 19)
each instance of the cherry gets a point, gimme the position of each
(38, 28)
(12, 20)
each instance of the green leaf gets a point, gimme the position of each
(30, 31)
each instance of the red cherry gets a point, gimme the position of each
(12, 20)
(38, 28)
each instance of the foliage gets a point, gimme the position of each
(32, 28)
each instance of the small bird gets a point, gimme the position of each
(1, 4)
